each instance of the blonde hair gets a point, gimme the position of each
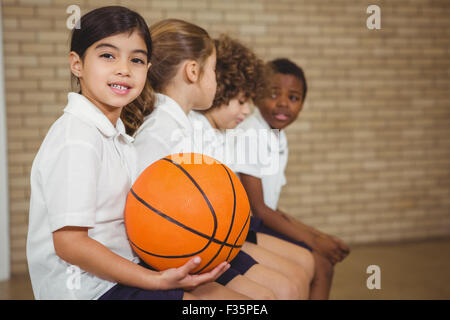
(173, 41)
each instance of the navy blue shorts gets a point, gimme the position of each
(239, 265)
(257, 225)
(123, 292)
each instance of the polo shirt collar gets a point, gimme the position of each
(280, 136)
(79, 106)
(174, 109)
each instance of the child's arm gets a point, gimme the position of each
(343, 247)
(285, 224)
(73, 245)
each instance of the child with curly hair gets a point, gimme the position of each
(240, 78)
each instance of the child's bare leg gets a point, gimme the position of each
(293, 271)
(315, 264)
(321, 285)
(250, 288)
(215, 291)
(281, 285)
(296, 253)
(189, 296)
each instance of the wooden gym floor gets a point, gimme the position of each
(415, 270)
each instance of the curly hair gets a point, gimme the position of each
(238, 70)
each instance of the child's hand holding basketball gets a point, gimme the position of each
(181, 278)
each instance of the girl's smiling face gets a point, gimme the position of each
(285, 102)
(113, 71)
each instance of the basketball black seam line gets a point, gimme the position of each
(231, 224)
(234, 209)
(171, 220)
(162, 256)
(207, 200)
(222, 243)
(210, 207)
(201, 191)
(180, 225)
(163, 215)
(237, 238)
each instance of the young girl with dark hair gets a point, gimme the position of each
(77, 247)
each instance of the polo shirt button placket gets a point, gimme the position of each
(121, 155)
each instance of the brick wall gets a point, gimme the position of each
(370, 154)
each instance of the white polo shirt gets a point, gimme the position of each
(218, 144)
(167, 130)
(80, 176)
(271, 153)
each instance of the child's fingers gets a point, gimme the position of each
(341, 254)
(335, 258)
(189, 282)
(192, 281)
(342, 246)
(331, 258)
(219, 270)
(213, 274)
(185, 269)
(336, 255)
(345, 248)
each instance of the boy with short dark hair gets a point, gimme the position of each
(276, 111)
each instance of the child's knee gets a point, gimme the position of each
(302, 280)
(265, 294)
(292, 288)
(309, 265)
(305, 259)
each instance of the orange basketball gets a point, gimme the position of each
(187, 205)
